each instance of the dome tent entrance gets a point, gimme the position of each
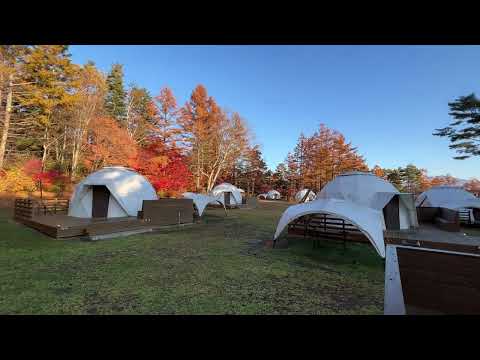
(450, 197)
(301, 194)
(235, 193)
(273, 195)
(361, 199)
(111, 192)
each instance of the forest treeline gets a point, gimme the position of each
(61, 120)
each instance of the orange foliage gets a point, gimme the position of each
(108, 144)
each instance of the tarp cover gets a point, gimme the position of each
(301, 194)
(357, 197)
(201, 201)
(127, 189)
(218, 191)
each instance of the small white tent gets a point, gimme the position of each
(274, 195)
(450, 197)
(236, 193)
(301, 194)
(262, 196)
(111, 192)
(201, 201)
(358, 198)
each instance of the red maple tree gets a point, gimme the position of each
(165, 167)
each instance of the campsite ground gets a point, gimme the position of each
(217, 267)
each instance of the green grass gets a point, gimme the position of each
(217, 267)
(471, 231)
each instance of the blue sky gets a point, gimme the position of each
(386, 100)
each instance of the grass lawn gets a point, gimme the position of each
(472, 231)
(216, 267)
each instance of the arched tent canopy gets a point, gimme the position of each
(450, 197)
(359, 198)
(369, 221)
(201, 201)
(219, 190)
(301, 194)
(273, 195)
(126, 191)
(262, 196)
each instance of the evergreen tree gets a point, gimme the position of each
(115, 100)
(464, 130)
(411, 178)
(395, 177)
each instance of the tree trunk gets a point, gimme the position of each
(45, 149)
(6, 124)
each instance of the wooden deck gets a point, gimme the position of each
(50, 218)
(431, 271)
(63, 226)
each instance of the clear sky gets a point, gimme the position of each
(386, 100)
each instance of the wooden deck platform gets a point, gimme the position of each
(63, 226)
(431, 271)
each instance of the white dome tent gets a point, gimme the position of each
(358, 198)
(262, 196)
(219, 191)
(301, 194)
(201, 201)
(273, 195)
(450, 197)
(111, 192)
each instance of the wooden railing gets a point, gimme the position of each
(326, 226)
(464, 216)
(25, 209)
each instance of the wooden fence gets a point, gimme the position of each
(323, 226)
(26, 209)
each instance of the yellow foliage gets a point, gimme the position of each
(160, 160)
(15, 181)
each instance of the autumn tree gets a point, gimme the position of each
(139, 115)
(248, 171)
(166, 116)
(115, 100)
(108, 144)
(10, 71)
(317, 159)
(88, 106)
(443, 180)
(48, 77)
(215, 138)
(378, 171)
(164, 166)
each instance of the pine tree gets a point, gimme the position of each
(464, 131)
(115, 100)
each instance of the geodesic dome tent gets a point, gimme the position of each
(201, 201)
(359, 198)
(236, 193)
(301, 194)
(273, 195)
(450, 197)
(113, 191)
